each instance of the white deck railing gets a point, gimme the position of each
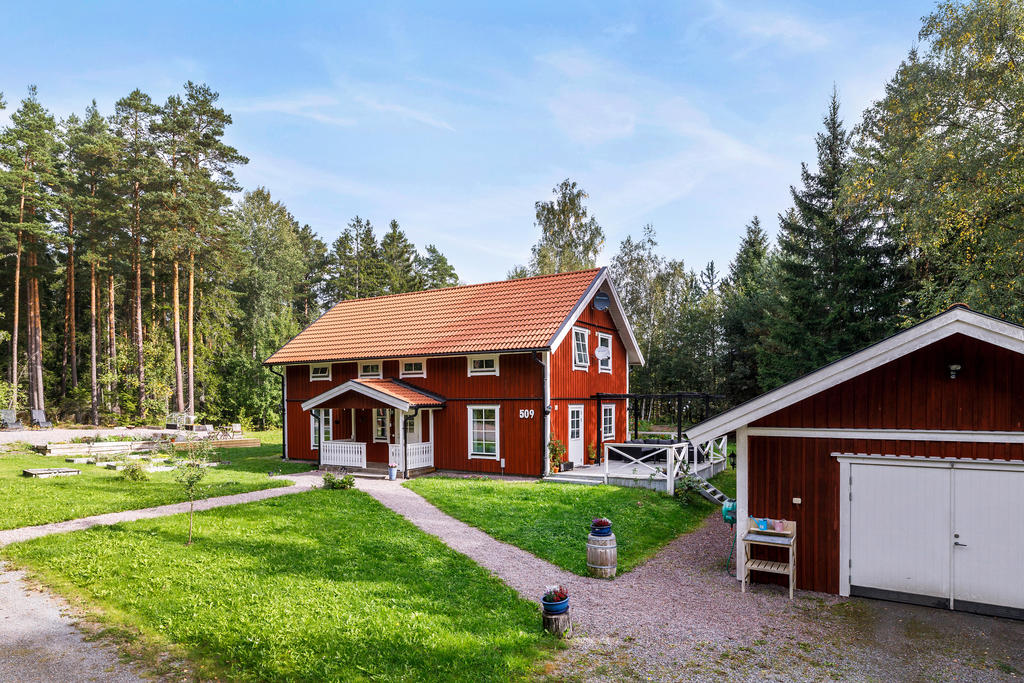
(420, 455)
(680, 459)
(343, 453)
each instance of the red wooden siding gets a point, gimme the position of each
(574, 387)
(916, 392)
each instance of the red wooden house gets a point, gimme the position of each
(902, 465)
(477, 378)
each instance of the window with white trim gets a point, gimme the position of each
(483, 365)
(371, 370)
(608, 422)
(604, 341)
(483, 432)
(319, 372)
(381, 425)
(320, 422)
(412, 367)
(580, 348)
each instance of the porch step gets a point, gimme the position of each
(566, 479)
(368, 474)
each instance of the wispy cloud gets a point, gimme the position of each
(763, 26)
(403, 111)
(319, 107)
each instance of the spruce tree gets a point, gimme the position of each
(434, 269)
(398, 262)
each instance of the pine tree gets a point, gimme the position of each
(398, 262)
(745, 314)
(30, 147)
(434, 270)
(834, 279)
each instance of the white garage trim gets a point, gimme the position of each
(890, 434)
(957, 320)
(742, 508)
(848, 459)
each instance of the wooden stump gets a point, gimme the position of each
(602, 556)
(559, 625)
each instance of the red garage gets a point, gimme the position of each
(902, 464)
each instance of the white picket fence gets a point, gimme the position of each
(343, 453)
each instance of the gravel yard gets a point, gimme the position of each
(681, 617)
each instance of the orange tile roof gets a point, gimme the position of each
(403, 392)
(496, 316)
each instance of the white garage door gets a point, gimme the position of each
(949, 535)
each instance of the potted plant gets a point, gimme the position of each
(601, 526)
(555, 600)
(392, 470)
(556, 450)
(591, 454)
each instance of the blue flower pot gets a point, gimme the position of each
(560, 607)
(601, 530)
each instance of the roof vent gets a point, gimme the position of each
(601, 301)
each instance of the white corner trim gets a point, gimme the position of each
(890, 434)
(953, 321)
(844, 528)
(742, 507)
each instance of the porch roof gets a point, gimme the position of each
(390, 392)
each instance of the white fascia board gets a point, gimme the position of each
(633, 354)
(955, 321)
(359, 388)
(951, 435)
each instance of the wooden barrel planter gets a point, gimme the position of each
(602, 553)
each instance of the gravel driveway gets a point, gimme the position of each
(682, 617)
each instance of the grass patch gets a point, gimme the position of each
(324, 585)
(26, 501)
(552, 520)
(725, 482)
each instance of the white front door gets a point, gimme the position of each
(576, 435)
(899, 533)
(988, 539)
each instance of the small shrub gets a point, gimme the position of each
(134, 471)
(555, 594)
(556, 451)
(333, 482)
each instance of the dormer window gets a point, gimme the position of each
(413, 367)
(371, 370)
(319, 372)
(483, 365)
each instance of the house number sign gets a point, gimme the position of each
(526, 414)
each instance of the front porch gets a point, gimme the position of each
(367, 424)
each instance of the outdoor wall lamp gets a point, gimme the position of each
(953, 369)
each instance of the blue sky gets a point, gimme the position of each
(456, 118)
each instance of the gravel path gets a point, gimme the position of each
(681, 616)
(301, 482)
(39, 642)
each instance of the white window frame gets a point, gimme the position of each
(327, 429)
(365, 375)
(606, 409)
(386, 437)
(470, 372)
(415, 373)
(497, 432)
(576, 364)
(313, 378)
(601, 367)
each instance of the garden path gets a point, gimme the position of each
(302, 481)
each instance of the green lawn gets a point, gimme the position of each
(552, 520)
(324, 585)
(25, 501)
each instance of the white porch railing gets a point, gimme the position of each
(395, 454)
(343, 453)
(680, 459)
(420, 455)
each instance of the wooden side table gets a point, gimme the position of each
(773, 539)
